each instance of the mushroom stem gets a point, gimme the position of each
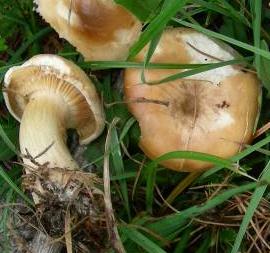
(48, 95)
(43, 135)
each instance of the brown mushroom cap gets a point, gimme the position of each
(212, 112)
(99, 29)
(56, 76)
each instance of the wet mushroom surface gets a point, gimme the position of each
(213, 112)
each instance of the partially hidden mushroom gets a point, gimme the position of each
(213, 112)
(99, 29)
(48, 95)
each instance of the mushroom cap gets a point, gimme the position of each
(99, 29)
(212, 112)
(51, 74)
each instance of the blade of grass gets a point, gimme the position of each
(171, 223)
(30, 41)
(15, 57)
(7, 141)
(239, 156)
(152, 47)
(141, 240)
(150, 186)
(264, 70)
(235, 13)
(98, 65)
(189, 15)
(254, 202)
(125, 175)
(152, 166)
(227, 39)
(183, 243)
(126, 128)
(256, 10)
(5, 68)
(229, 11)
(15, 20)
(119, 168)
(110, 218)
(204, 246)
(193, 156)
(198, 70)
(188, 180)
(141, 9)
(8, 180)
(171, 7)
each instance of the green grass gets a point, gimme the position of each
(136, 182)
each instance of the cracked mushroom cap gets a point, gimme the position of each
(213, 112)
(99, 29)
(56, 76)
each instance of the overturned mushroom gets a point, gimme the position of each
(49, 95)
(99, 29)
(212, 112)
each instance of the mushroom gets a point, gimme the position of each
(49, 95)
(99, 29)
(213, 112)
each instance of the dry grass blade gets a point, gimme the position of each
(262, 130)
(68, 235)
(110, 220)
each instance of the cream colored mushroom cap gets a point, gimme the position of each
(99, 29)
(212, 112)
(53, 74)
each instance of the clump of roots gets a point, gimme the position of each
(73, 216)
